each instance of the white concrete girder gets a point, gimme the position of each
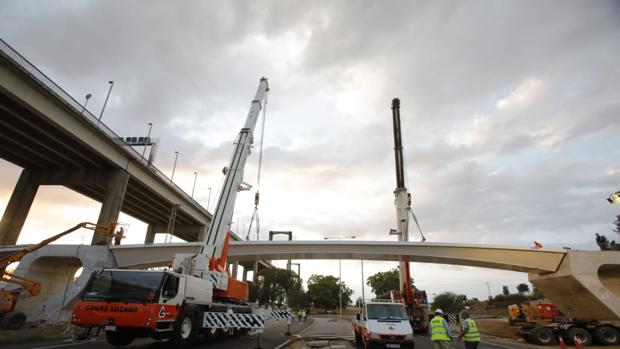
(497, 257)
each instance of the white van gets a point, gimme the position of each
(383, 325)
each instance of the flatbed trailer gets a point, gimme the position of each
(588, 332)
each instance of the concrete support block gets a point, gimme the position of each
(585, 286)
(112, 202)
(18, 207)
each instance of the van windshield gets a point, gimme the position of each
(386, 312)
(119, 285)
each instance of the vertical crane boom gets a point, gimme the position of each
(402, 197)
(210, 262)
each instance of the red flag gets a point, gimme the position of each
(537, 245)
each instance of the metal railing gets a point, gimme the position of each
(38, 76)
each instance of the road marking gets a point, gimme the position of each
(298, 335)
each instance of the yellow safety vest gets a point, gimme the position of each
(472, 334)
(438, 332)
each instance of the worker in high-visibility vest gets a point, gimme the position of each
(440, 331)
(469, 332)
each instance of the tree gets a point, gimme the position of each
(449, 302)
(384, 282)
(323, 292)
(522, 288)
(505, 290)
(274, 285)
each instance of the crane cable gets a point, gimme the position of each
(260, 165)
(416, 223)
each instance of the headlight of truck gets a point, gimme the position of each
(374, 335)
(409, 336)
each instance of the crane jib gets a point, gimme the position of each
(225, 203)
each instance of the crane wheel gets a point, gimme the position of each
(542, 336)
(581, 333)
(607, 335)
(13, 321)
(185, 329)
(119, 338)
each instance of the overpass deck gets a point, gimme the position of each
(47, 131)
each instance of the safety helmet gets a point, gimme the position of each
(438, 311)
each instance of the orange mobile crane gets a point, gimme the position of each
(10, 320)
(197, 295)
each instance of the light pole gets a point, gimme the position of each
(106, 101)
(209, 199)
(148, 134)
(362, 281)
(176, 156)
(340, 274)
(194, 187)
(85, 103)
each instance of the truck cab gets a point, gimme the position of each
(383, 325)
(136, 303)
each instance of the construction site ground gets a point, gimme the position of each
(273, 337)
(331, 333)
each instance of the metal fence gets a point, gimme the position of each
(12, 56)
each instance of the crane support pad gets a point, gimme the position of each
(228, 320)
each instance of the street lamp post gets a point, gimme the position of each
(209, 199)
(176, 156)
(148, 134)
(362, 281)
(194, 186)
(85, 103)
(105, 102)
(340, 274)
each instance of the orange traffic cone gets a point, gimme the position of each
(578, 344)
(562, 344)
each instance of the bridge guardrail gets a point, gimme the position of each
(24, 65)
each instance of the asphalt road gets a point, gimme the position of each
(273, 336)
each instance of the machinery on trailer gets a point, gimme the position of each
(9, 318)
(415, 301)
(197, 295)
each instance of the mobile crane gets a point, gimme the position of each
(415, 301)
(10, 319)
(197, 295)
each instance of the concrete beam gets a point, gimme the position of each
(496, 257)
(18, 207)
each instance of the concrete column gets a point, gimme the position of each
(150, 235)
(112, 202)
(245, 274)
(235, 269)
(255, 276)
(18, 207)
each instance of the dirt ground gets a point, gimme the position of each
(498, 328)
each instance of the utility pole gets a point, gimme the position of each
(105, 102)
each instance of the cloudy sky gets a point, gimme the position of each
(510, 114)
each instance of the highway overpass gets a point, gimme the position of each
(50, 135)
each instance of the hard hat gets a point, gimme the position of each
(438, 311)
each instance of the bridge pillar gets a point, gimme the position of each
(235, 269)
(18, 207)
(150, 235)
(112, 202)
